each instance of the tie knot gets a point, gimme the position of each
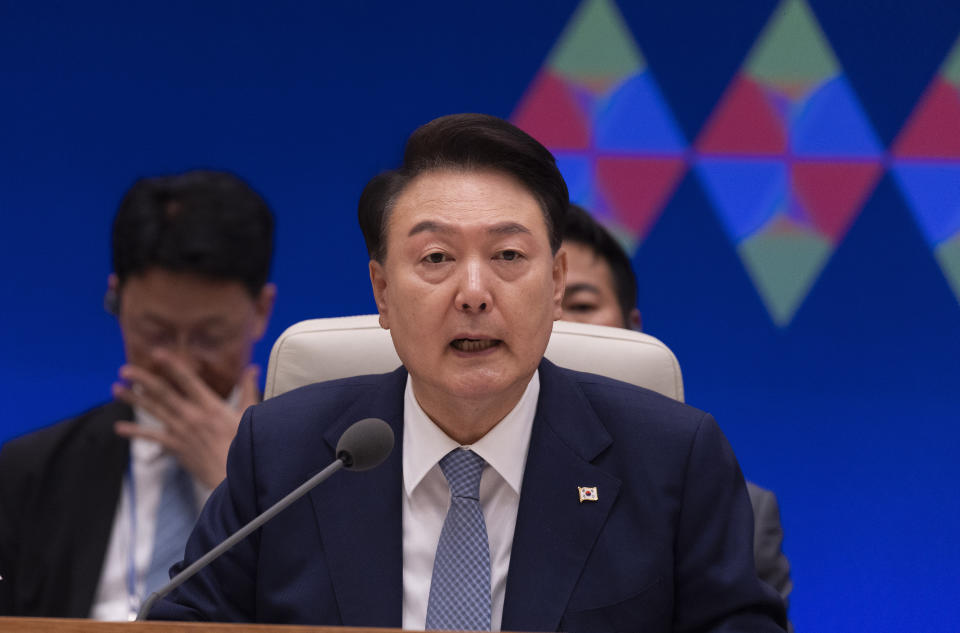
(463, 468)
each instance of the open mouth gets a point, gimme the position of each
(473, 345)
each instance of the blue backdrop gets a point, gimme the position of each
(848, 411)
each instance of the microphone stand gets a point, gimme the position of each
(238, 536)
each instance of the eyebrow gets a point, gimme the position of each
(508, 228)
(504, 228)
(581, 287)
(210, 321)
(429, 226)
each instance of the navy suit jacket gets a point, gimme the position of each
(666, 547)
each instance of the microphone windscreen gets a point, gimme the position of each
(365, 444)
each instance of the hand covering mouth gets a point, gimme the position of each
(474, 345)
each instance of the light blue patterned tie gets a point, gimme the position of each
(460, 589)
(176, 515)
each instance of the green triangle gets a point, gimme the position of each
(951, 68)
(948, 255)
(783, 269)
(792, 49)
(596, 44)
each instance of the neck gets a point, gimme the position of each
(463, 419)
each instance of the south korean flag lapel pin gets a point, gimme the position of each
(587, 493)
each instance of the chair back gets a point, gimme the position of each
(325, 349)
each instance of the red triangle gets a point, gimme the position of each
(933, 130)
(637, 189)
(550, 114)
(743, 123)
(833, 192)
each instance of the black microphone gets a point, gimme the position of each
(364, 445)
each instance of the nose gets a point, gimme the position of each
(473, 294)
(186, 352)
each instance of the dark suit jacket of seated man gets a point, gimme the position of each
(468, 278)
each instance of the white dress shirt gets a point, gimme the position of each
(426, 497)
(131, 550)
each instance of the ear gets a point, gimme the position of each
(111, 298)
(634, 321)
(263, 306)
(559, 282)
(378, 281)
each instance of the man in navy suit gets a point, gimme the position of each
(522, 496)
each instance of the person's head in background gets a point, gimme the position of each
(191, 260)
(601, 287)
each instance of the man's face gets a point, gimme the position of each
(469, 287)
(590, 295)
(211, 325)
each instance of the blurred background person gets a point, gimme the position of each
(96, 508)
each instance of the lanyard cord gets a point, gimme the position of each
(133, 585)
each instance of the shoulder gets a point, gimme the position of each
(310, 412)
(627, 408)
(766, 513)
(283, 439)
(36, 448)
(41, 469)
(322, 398)
(626, 429)
(761, 497)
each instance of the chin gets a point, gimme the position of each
(221, 385)
(483, 383)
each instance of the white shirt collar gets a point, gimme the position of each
(504, 447)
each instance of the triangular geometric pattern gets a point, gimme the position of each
(788, 158)
(926, 166)
(598, 108)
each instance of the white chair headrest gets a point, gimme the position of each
(326, 349)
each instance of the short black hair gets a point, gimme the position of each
(582, 228)
(206, 223)
(466, 142)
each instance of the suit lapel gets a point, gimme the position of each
(359, 515)
(555, 531)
